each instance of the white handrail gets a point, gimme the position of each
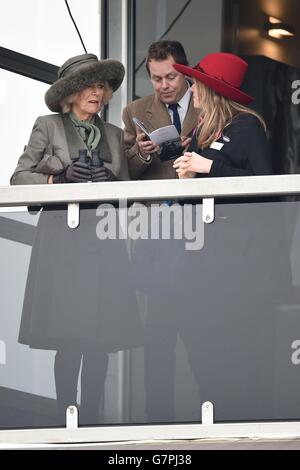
(152, 189)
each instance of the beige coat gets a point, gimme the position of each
(55, 134)
(153, 113)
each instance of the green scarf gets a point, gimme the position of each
(89, 133)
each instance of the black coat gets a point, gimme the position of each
(244, 152)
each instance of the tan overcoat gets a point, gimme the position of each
(153, 113)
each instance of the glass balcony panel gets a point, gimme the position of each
(139, 322)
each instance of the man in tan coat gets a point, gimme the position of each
(170, 103)
(157, 110)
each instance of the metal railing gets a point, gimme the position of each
(152, 189)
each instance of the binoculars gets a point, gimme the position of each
(91, 158)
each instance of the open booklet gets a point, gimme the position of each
(166, 137)
(161, 135)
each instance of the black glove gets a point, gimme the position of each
(76, 172)
(170, 150)
(102, 174)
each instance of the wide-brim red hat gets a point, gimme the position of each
(222, 72)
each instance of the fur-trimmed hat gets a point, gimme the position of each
(80, 72)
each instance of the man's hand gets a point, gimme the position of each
(191, 163)
(146, 147)
(76, 172)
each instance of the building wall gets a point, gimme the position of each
(244, 29)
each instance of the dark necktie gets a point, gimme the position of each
(176, 118)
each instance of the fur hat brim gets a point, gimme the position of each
(107, 70)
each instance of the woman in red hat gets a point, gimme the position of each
(231, 361)
(230, 139)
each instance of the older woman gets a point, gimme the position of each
(230, 139)
(70, 303)
(84, 85)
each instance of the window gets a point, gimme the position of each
(198, 28)
(45, 31)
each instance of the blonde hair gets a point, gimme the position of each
(66, 104)
(216, 113)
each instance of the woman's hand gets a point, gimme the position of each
(191, 163)
(76, 172)
(185, 142)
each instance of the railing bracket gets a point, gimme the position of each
(72, 417)
(73, 214)
(207, 414)
(208, 210)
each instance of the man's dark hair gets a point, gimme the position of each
(161, 50)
